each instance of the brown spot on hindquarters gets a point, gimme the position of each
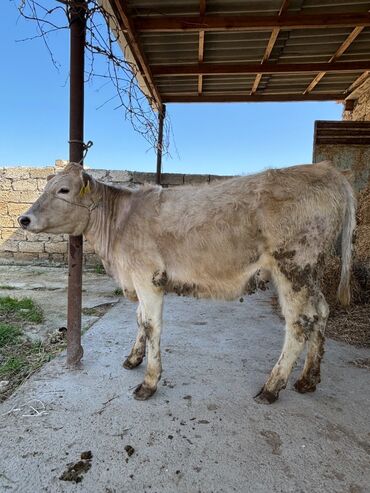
(283, 255)
(160, 279)
(186, 289)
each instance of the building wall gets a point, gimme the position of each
(361, 108)
(21, 186)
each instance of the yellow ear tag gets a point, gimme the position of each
(85, 189)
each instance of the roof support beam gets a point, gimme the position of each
(270, 45)
(128, 27)
(202, 10)
(264, 68)
(250, 22)
(358, 82)
(342, 48)
(247, 98)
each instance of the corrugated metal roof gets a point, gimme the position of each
(183, 36)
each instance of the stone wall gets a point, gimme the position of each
(361, 104)
(21, 186)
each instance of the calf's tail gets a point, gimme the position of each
(349, 223)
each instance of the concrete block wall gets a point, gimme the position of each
(21, 186)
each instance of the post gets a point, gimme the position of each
(161, 117)
(77, 12)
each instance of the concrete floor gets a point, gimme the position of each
(202, 430)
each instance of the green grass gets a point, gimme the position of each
(9, 334)
(23, 309)
(19, 356)
(99, 269)
(11, 367)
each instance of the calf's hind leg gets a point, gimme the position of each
(137, 353)
(310, 375)
(300, 315)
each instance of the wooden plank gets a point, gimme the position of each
(264, 68)
(342, 48)
(202, 11)
(211, 22)
(344, 141)
(357, 83)
(127, 26)
(270, 45)
(247, 98)
(256, 82)
(321, 124)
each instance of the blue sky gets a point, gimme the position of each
(207, 138)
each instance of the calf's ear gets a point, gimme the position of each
(86, 184)
(49, 177)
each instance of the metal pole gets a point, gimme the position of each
(77, 13)
(161, 117)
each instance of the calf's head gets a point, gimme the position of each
(64, 206)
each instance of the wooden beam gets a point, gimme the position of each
(342, 48)
(264, 68)
(250, 22)
(270, 45)
(247, 98)
(202, 11)
(128, 27)
(357, 83)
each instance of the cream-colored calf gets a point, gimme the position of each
(219, 241)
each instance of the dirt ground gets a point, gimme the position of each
(202, 432)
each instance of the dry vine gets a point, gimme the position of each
(101, 42)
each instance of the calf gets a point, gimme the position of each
(211, 241)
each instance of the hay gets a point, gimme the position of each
(352, 325)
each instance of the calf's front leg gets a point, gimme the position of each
(151, 308)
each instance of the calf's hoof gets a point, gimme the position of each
(129, 364)
(266, 397)
(302, 385)
(143, 392)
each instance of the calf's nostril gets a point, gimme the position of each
(24, 221)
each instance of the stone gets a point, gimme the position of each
(17, 209)
(119, 176)
(60, 164)
(13, 233)
(172, 179)
(5, 184)
(139, 177)
(196, 179)
(3, 208)
(6, 222)
(30, 184)
(17, 173)
(60, 247)
(24, 257)
(97, 174)
(41, 172)
(31, 246)
(9, 245)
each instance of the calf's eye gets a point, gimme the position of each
(63, 190)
